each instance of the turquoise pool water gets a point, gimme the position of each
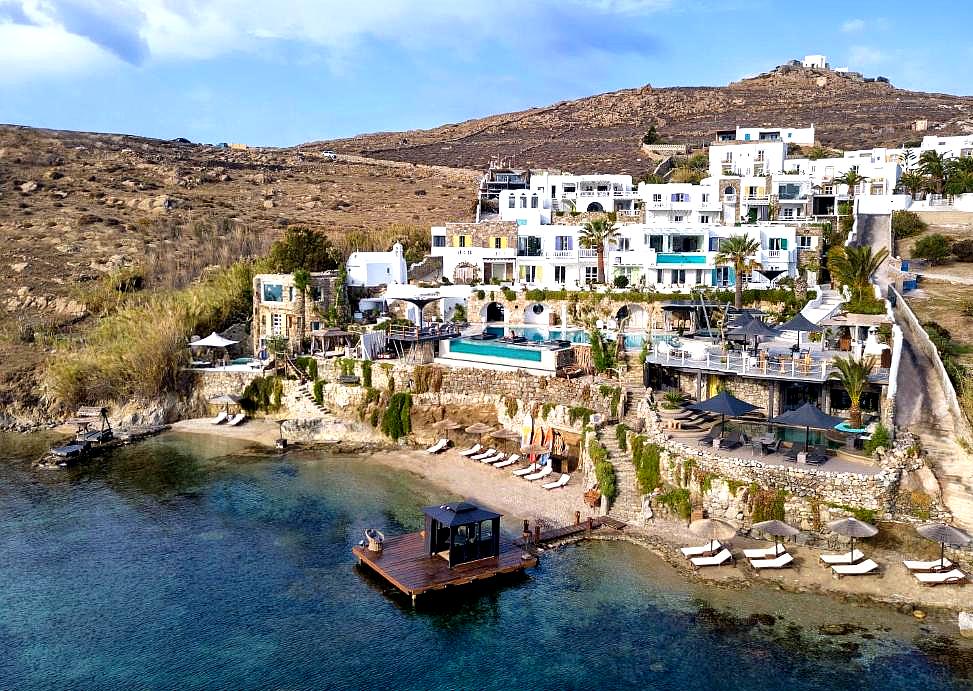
(497, 350)
(680, 259)
(193, 564)
(575, 335)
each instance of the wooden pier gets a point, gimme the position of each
(405, 563)
(542, 538)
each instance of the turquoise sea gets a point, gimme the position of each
(190, 563)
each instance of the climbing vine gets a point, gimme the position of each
(396, 421)
(604, 470)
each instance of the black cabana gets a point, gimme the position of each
(461, 533)
(807, 416)
(724, 404)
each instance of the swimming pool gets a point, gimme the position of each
(633, 341)
(497, 350)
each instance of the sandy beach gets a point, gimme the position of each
(518, 500)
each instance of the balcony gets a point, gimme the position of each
(587, 254)
(670, 258)
(563, 254)
(757, 198)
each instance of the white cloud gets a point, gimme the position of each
(32, 52)
(853, 25)
(865, 56)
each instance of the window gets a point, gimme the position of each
(461, 240)
(658, 275)
(704, 218)
(787, 212)
(681, 197)
(523, 202)
(722, 275)
(497, 243)
(654, 242)
(804, 242)
(528, 246)
(563, 242)
(699, 276)
(560, 274)
(528, 273)
(705, 197)
(677, 219)
(777, 243)
(533, 202)
(729, 191)
(438, 240)
(678, 276)
(657, 197)
(590, 274)
(569, 189)
(512, 203)
(277, 324)
(623, 244)
(273, 292)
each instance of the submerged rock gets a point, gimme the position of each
(966, 624)
(838, 629)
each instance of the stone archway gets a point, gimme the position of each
(537, 313)
(465, 273)
(595, 207)
(637, 315)
(493, 312)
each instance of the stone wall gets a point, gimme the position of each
(209, 384)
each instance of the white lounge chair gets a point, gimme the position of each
(514, 457)
(498, 456)
(484, 454)
(763, 553)
(779, 562)
(532, 468)
(476, 448)
(438, 446)
(860, 569)
(717, 559)
(948, 577)
(934, 565)
(702, 550)
(237, 419)
(542, 473)
(560, 482)
(220, 419)
(846, 558)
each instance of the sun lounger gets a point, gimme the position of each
(237, 419)
(560, 482)
(935, 565)
(846, 558)
(499, 456)
(542, 473)
(702, 550)
(484, 454)
(532, 468)
(860, 569)
(476, 448)
(947, 577)
(514, 457)
(763, 553)
(717, 559)
(733, 440)
(707, 440)
(777, 562)
(438, 446)
(220, 419)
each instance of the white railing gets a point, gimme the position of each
(587, 254)
(557, 254)
(740, 363)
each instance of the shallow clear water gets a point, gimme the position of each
(633, 341)
(186, 563)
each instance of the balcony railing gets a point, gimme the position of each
(748, 365)
(560, 254)
(587, 254)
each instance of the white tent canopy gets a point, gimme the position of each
(214, 340)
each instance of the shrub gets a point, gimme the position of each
(578, 412)
(396, 422)
(613, 396)
(604, 470)
(647, 461)
(309, 366)
(677, 500)
(366, 373)
(881, 439)
(508, 294)
(303, 248)
(481, 294)
(936, 248)
(263, 394)
(621, 435)
(906, 224)
(963, 249)
(318, 390)
(768, 505)
(620, 281)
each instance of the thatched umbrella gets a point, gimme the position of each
(852, 527)
(533, 450)
(505, 434)
(944, 535)
(446, 425)
(226, 400)
(714, 529)
(478, 429)
(776, 529)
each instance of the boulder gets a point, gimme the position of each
(28, 187)
(966, 624)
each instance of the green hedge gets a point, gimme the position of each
(604, 470)
(396, 422)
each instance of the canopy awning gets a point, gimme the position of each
(800, 323)
(214, 340)
(461, 513)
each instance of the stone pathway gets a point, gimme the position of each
(627, 506)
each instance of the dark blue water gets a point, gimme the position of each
(189, 564)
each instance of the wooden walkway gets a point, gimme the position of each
(404, 563)
(569, 531)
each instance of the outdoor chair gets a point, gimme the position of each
(817, 456)
(709, 549)
(718, 559)
(763, 552)
(946, 577)
(542, 473)
(708, 440)
(733, 440)
(778, 562)
(860, 569)
(935, 565)
(560, 482)
(791, 454)
(771, 448)
(476, 448)
(846, 558)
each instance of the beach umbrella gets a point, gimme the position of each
(807, 416)
(852, 527)
(447, 425)
(533, 450)
(944, 535)
(726, 405)
(713, 528)
(505, 434)
(800, 323)
(755, 328)
(225, 400)
(776, 529)
(478, 428)
(214, 340)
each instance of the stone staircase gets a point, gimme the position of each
(627, 506)
(305, 396)
(830, 300)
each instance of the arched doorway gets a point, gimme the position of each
(595, 207)
(537, 313)
(494, 312)
(465, 274)
(636, 315)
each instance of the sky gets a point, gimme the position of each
(283, 72)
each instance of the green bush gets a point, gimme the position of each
(579, 412)
(318, 390)
(604, 470)
(963, 249)
(768, 505)
(396, 422)
(263, 394)
(621, 435)
(366, 373)
(936, 248)
(906, 224)
(647, 461)
(508, 294)
(677, 500)
(881, 439)
(309, 366)
(480, 294)
(620, 281)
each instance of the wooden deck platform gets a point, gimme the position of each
(404, 563)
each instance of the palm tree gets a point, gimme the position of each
(854, 266)
(913, 181)
(959, 175)
(853, 374)
(736, 251)
(852, 178)
(302, 280)
(594, 234)
(932, 164)
(907, 158)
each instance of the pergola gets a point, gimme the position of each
(461, 533)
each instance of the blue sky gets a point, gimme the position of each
(281, 72)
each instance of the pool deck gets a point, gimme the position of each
(403, 562)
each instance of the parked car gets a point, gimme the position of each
(330, 155)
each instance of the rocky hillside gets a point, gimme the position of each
(603, 132)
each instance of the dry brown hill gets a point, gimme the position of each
(603, 132)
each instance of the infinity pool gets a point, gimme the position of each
(633, 341)
(524, 353)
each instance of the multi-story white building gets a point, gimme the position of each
(747, 158)
(949, 147)
(790, 135)
(549, 193)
